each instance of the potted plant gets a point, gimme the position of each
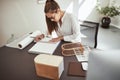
(108, 12)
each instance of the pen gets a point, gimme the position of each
(35, 37)
(32, 37)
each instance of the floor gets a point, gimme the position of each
(109, 38)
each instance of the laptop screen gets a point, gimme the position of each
(104, 65)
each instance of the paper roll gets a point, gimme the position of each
(22, 44)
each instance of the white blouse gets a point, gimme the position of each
(70, 28)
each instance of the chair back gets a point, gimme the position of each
(89, 29)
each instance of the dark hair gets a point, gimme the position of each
(51, 6)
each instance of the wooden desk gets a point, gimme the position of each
(18, 64)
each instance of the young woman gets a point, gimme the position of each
(64, 24)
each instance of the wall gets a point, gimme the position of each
(19, 17)
(116, 19)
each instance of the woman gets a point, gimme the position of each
(63, 23)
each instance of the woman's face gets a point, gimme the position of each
(54, 16)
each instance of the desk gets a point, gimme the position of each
(18, 64)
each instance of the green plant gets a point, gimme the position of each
(109, 11)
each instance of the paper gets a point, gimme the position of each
(44, 47)
(23, 41)
(14, 44)
(28, 40)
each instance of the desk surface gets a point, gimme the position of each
(18, 64)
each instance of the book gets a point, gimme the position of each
(44, 46)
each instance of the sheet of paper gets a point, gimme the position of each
(41, 47)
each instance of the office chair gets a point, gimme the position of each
(89, 29)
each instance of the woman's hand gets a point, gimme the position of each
(39, 37)
(56, 39)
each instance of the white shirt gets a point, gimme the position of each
(70, 28)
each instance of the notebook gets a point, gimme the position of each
(75, 69)
(44, 47)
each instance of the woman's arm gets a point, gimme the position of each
(75, 30)
(39, 37)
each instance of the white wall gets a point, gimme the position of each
(19, 17)
(116, 19)
(23, 16)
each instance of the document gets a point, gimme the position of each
(44, 46)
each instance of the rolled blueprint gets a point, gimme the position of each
(26, 41)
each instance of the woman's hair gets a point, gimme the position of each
(51, 6)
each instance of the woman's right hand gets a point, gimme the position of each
(39, 37)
